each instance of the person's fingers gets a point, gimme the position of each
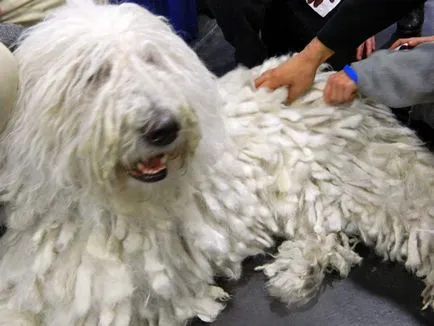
(414, 41)
(293, 94)
(340, 93)
(359, 52)
(268, 84)
(348, 93)
(334, 94)
(395, 44)
(370, 46)
(338, 90)
(330, 89)
(272, 79)
(399, 42)
(345, 95)
(261, 79)
(327, 93)
(348, 97)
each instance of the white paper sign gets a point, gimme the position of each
(325, 7)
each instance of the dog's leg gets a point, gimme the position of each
(407, 241)
(407, 238)
(298, 270)
(395, 215)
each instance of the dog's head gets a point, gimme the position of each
(109, 92)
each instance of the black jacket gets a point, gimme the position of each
(343, 30)
(357, 20)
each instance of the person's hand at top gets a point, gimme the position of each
(298, 72)
(412, 41)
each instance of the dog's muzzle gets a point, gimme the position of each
(162, 132)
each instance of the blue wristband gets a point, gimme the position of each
(351, 73)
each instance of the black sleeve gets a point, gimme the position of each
(357, 20)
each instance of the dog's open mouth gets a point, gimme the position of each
(150, 170)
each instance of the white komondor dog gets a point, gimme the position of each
(133, 177)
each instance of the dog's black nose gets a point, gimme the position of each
(163, 131)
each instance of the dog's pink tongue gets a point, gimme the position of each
(154, 163)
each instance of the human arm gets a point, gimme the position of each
(412, 41)
(397, 79)
(354, 22)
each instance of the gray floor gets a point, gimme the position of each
(376, 293)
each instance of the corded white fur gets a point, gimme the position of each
(88, 245)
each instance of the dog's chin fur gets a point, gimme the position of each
(89, 245)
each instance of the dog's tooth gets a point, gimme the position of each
(140, 166)
(164, 159)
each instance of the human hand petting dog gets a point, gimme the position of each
(298, 72)
(340, 88)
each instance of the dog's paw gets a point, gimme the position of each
(206, 306)
(297, 273)
(293, 278)
(218, 293)
(212, 306)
